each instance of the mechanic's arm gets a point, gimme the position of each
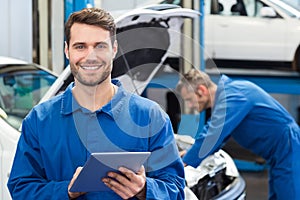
(227, 113)
(27, 178)
(164, 169)
(167, 183)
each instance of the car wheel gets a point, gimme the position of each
(296, 61)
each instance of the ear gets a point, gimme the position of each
(66, 50)
(202, 90)
(115, 48)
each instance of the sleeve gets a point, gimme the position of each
(231, 107)
(164, 169)
(28, 178)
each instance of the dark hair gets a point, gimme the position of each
(91, 16)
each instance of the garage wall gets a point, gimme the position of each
(117, 4)
(16, 29)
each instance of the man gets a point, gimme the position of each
(254, 119)
(95, 114)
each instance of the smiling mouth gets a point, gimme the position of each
(89, 67)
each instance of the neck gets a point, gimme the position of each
(94, 98)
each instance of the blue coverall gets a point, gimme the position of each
(59, 135)
(259, 123)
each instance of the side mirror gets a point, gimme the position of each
(267, 12)
(3, 114)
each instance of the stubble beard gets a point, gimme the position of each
(94, 82)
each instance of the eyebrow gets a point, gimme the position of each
(77, 43)
(83, 43)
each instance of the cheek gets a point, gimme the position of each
(200, 103)
(74, 57)
(100, 55)
(107, 56)
(196, 100)
(194, 104)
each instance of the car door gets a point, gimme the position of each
(8, 143)
(237, 31)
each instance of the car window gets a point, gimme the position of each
(287, 8)
(175, 2)
(253, 7)
(230, 7)
(250, 8)
(21, 88)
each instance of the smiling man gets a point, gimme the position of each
(95, 114)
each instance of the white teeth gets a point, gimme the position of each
(90, 67)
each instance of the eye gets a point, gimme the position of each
(101, 46)
(79, 46)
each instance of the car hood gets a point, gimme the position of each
(10, 61)
(146, 37)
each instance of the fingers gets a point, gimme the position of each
(118, 188)
(182, 153)
(128, 183)
(78, 170)
(75, 175)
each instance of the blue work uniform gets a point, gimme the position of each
(259, 123)
(59, 135)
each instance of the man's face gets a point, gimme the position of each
(195, 99)
(90, 53)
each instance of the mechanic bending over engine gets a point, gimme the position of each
(254, 119)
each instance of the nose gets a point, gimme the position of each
(91, 54)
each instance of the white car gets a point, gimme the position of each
(22, 85)
(260, 34)
(252, 33)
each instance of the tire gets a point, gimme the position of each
(296, 61)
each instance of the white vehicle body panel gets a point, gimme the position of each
(8, 143)
(258, 36)
(237, 37)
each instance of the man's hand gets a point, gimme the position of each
(128, 184)
(74, 195)
(182, 153)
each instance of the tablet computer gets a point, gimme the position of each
(99, 164)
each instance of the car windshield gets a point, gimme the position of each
(287, 8)
(21, 88)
